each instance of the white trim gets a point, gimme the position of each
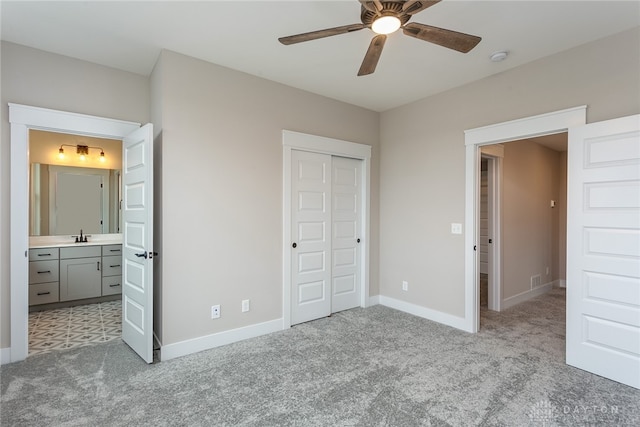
(530, 127)
(425, 313)
(319, 144)
(374, 300)
(560, 283)
(526, 295)
(207, 342)
(22, 119)
(5, 355)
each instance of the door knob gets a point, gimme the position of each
(142, 255)
(295, 245)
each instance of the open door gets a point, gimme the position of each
(603, 249)
(137, 241)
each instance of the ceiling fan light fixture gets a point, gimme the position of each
(386, 24)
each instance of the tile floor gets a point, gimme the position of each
(77, 326)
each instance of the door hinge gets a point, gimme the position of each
(490, 240)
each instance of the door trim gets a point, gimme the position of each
(528, 127)
(22, 119)
(494, 251)
(319, 144)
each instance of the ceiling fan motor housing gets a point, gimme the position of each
(389, 8)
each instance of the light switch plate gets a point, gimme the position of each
(456, 228)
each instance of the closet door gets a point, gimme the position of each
(346, 217)
(311, 236)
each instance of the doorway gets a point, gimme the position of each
(522, 209)
(23, 119)
(68, 192)
(530, 127)
(316, 145)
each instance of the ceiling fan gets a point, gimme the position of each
(385, 17)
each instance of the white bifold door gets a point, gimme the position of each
(603, 249)
(326, 221)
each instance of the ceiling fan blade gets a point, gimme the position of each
(372, 5)
(313, 35)
(373, 55)
(412, 7)
(447, 38)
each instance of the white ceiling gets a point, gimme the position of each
(242, 35)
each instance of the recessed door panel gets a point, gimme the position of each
(344, 285)
(311, 262)
(312, 293)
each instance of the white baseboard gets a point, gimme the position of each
(195, 345)
(5, 355)
(524, 296)
(560, 283)
(374, 300)
(425, 313)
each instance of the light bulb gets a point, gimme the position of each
(385, 25)
(102, 159)
(82, 157)
(61, 153)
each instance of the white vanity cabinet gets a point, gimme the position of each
(80, 272)
(43, 276)
(111, 270)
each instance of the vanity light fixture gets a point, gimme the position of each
(82, 151)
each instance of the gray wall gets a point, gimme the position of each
(222, 189)
(43, 79)
(530, 227)
(422, 156)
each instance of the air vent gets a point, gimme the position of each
(535, 281)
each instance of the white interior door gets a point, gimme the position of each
(311, 235)
(603, 249)
(346, 214)
(137, 241)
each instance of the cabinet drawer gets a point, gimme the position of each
(80, 252)
(43, 254)
(111, 285)
(111, 266)
(43, 293)
(111, 250)
(43, 271)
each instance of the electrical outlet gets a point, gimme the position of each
(405, 285)
(245, 305)
(215, 311)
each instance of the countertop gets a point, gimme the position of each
(67, 241)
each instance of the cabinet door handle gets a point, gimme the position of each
(43, 293)
(44, 272)
(44, 254)
(114, 250)
(113, 266)
(114, 285)
(98, 268)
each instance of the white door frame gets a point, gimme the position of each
(22, 119)
(494, 154)
(318, 144)
(529, 127)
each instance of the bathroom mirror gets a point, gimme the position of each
(70, 190)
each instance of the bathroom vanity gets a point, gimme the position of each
(61, 270)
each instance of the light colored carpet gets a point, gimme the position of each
(362, 367)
